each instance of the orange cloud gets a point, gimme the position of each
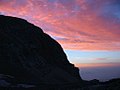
(88, 65)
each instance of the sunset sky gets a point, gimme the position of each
(88, 30)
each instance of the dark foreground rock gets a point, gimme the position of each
(113, 84)
(31, 56)
(7, 83)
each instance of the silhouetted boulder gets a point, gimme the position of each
(32, 56)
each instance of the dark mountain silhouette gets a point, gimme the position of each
(29, 58)
(32, 56)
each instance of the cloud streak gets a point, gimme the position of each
(76, 24)
(95, 65)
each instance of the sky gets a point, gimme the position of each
(88, 30)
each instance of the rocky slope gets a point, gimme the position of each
(31, 56)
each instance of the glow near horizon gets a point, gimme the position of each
(88, 30)
(95, 57)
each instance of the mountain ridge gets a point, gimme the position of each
(27, 50)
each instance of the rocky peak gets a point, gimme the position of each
(30, 55)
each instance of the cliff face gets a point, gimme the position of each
(32, 56)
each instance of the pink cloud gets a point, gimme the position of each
(101, 59)
(77, 24)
